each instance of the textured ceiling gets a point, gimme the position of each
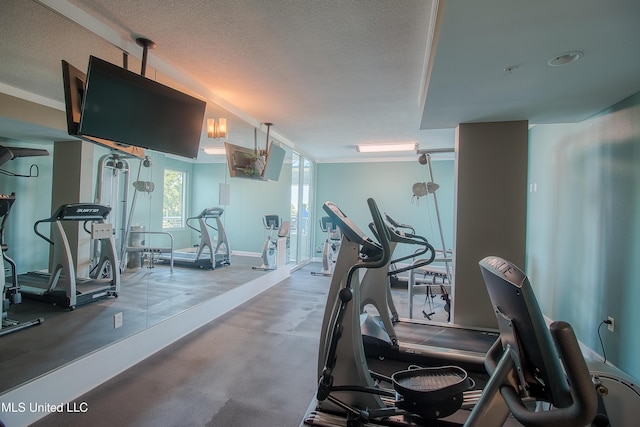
(332, 74)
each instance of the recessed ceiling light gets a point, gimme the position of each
(383, 148)
(565, 58)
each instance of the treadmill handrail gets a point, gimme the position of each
(207, 213)
(75, 212)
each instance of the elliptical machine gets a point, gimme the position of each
(525, 365)
(330, 248)
(10, 290)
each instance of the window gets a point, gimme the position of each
(174, 199)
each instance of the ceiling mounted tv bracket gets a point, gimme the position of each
(268, 125)
(146, 45)
(255, 139)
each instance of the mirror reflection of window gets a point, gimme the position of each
(173, 203)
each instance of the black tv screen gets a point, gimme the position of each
(130, 109)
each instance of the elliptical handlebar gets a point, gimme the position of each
(380, 257)
(582, 410)
(351, 232)
(382, 236)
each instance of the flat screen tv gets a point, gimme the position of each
(127, 108)
(74, 84)
(244, 162)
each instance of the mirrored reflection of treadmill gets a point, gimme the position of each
(201, 256)
(60, 285)
(410, 340)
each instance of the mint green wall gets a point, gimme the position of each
(584, 227)
(390, 184)
(250, 200)
(33, 202)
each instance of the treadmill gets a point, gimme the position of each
(410, 340)
(60, 285)
(210, 253)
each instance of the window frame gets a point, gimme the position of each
(183, 202)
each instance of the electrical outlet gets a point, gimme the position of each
(117, 320)
(612, 324)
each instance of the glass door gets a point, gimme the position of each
(301, 216)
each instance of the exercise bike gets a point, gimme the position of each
(270, 249)
(330, 248)
(525, 365)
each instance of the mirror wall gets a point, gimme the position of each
(148, 295)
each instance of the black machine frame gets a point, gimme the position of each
(549, 368)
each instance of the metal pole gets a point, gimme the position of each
(435, 201)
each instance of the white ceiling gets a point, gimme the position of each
(332, 74)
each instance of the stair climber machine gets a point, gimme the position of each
(210, 253)
(330, 248)
(386, 335)
(60, 285)
(10, 290)
(530, 363)
(270, 249)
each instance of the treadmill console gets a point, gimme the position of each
(81, 212)
(211, 213)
